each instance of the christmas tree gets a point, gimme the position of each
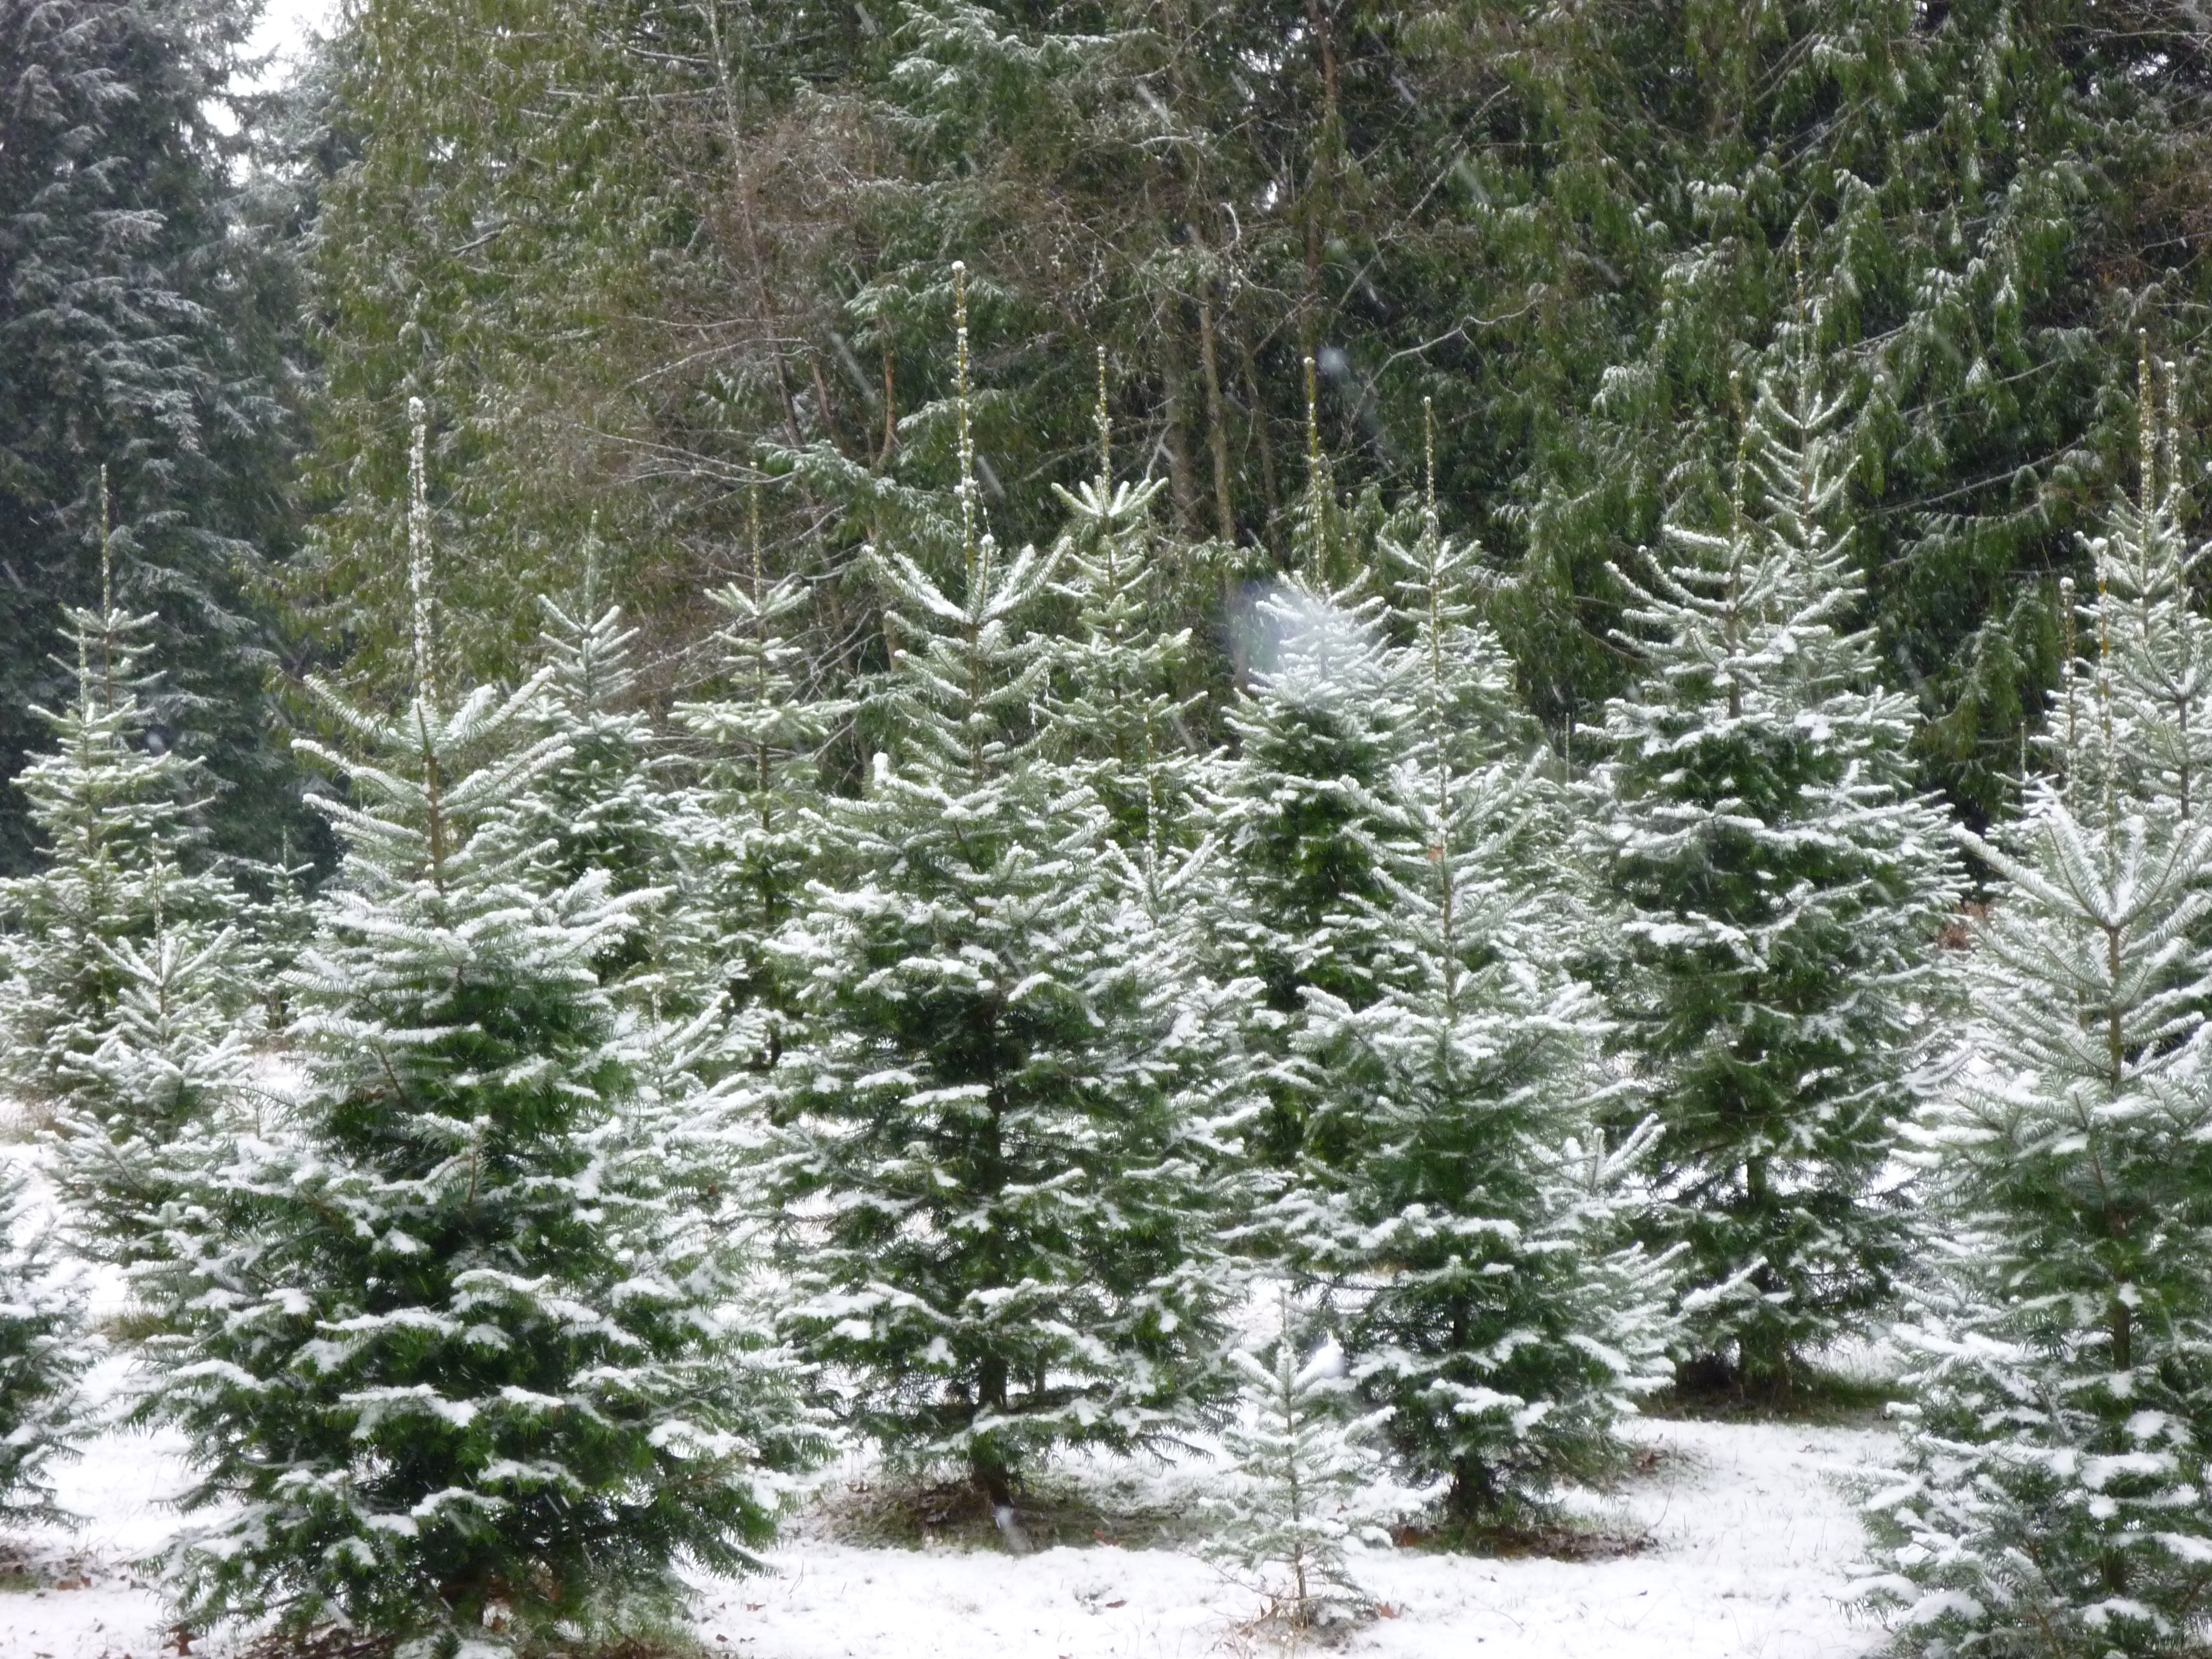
(1475, 1271)
(2140, 708)
(998, 1225)
(43, 1354)
(1778, 888)
(1312, 1491)
(451, 1365)
(750, 844)
(115, 808)
(2052, 1501)
(1116, 720)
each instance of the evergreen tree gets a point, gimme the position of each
(118, 810)
(602, 805)
(171, 1080)
(998, 1219)
(752, 844)
(1484, 1305)
(1298, 810)
(1310, 1472)
(1117, 723)
(43, 1354)
(609, 803)
(449, 1361)
(2142, 712)
(500, 158)
(1779, 890)
(2052, 1501)
(133, 336)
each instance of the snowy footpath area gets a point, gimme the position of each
(1751, 1539)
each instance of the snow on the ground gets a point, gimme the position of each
(92, 1604)
(1753, 1538)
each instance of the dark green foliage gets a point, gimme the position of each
(130, 341)
(1567, 226)
(1779, 887)
(989, 1159)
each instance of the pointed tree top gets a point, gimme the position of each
(106, 545)
(1313, 415)
(2146, 420)
(1105, 423)
(968, 538)
(418, 550)
(1429, 461)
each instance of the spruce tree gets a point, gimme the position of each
(118, 812)
(43, 1354)
(1779, 888)
(1297, 808)
(1309, 1471)
(450, 1365)
(751, 844)
(611, 802)
(997, 1227)
(2051, 1502)
(1488, 1306)
(602, 803)
(142, 329)
(1116, 722)
(171, 1079)
(2142, 710)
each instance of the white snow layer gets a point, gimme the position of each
(1752, 1538)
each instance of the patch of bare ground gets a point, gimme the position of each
(887, 1512)
(25, 1567)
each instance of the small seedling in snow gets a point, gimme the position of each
(1307, 1501)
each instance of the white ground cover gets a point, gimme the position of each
(1752, 1540)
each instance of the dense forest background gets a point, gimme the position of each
(647, 263)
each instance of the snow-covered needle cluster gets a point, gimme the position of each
(953, 1058)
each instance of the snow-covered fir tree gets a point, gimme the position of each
(749, 846)
(171, 1079)
(997, 1230)
(1486, 1299)
(2052, 1501)
(1115, 720)
(2142, 706)
(1779, 887)
(127, 964)
(1296, 811)
(1310, 1491)
(115, 810)
(450, 1365)
(43, 1355)
(603, 803)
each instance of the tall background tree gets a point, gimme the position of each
(143, 317)
(702, 241)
